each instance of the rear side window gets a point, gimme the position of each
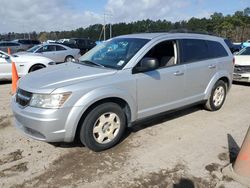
(193, 50)
(216, 49)
(60, 48)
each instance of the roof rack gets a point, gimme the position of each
(191, 31)
(183, 30)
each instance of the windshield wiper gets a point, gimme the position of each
(92, 63)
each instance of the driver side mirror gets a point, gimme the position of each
(146, 64)
(4, 56)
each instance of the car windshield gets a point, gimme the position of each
(244, 51)
(114, 53)
(34, 48)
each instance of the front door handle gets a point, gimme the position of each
(212, 66)
(178, 73)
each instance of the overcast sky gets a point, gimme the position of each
(51, 15)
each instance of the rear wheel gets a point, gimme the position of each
(36, 67)
(217, 97)
(69, 59)
(103, 127)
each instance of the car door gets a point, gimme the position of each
(61, 54)
(200, 67)
(5, 68)
(161, 89)
(3, 46)
(49, 51)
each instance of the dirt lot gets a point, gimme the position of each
(184, 149)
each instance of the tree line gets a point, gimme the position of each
(235, 27)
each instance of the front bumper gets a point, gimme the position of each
(241, 77)
(42, 124)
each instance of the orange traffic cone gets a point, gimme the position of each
(14, 78)
(9, 52)
(240, 171)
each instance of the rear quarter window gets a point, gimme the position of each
(216, 49)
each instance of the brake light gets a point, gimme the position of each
(234, 61)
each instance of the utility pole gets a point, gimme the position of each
(104, 27)
(110, 30)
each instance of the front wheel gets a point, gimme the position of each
(103, 127)
(69, 59)
(36, 67)
(217, 97)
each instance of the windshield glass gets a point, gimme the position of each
(114, 53)
(34, 48)
(245, 51)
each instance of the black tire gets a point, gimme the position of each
(87, 136)
(69, 58)
(211, 103)
(36, 67)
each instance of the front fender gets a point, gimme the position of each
(90, 98)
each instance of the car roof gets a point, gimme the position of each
(9, 42)
(151, 36)
(57, 44)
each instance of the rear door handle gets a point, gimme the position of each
(212, 66)
(178, 73)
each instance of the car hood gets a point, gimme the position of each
(49, 79)
(242, 59)
(24, 58)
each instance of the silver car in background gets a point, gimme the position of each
(27, 43)
(119, 82)
(57, 52)
(13, 46)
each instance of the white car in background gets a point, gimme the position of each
(57, 52)
(24, 64)
(242, 66)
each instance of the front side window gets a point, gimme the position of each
(48, 48)
(35, 42)
(25, 42)
(164, 53)
(114, 53)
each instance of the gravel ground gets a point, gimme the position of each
(183, 149)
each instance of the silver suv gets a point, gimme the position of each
(120, 81)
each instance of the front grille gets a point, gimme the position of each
(241, 69)
(23, 97)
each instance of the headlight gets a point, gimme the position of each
(49, 101)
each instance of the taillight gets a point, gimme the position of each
(234, 61)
